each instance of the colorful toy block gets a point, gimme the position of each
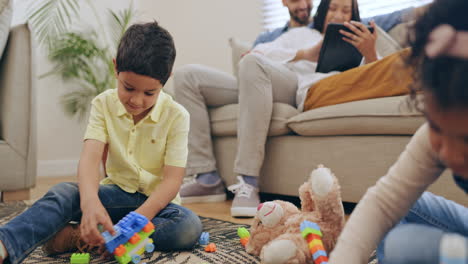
(211, 247)
(243, 232)
(132, 238)
(80, 258)
(244, 235)
(244, 241)
(311, 232)
(204, 238)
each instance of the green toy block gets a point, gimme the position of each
(309, 230)
(242, 232)
(80, 258)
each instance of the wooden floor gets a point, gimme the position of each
(214, 210)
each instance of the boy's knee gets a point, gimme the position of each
(192, 229)
(63, 190)
(184, 235)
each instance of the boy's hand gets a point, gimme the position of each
(93, 215)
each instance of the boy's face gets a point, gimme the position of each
(138, 93)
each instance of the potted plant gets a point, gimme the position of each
(83, 56)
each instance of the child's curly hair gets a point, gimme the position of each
(444, 77)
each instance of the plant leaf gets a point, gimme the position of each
(119, 23)
(51, 18)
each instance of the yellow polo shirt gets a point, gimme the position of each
(138, 153)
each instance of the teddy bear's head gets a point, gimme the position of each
(269, 223)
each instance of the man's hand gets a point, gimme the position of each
(362, 39)
(94, 214)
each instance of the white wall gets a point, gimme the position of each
(200, 29)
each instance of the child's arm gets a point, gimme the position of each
(175, 159)
(388, 201)
(94, 212)
(164, 193)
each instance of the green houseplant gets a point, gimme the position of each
(83, 56)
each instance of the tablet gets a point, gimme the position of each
(337, 54)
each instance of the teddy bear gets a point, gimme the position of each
(275, 233)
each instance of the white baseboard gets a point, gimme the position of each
(57, 168)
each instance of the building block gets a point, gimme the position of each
(211, 247)
(132, 238)
(243, 232)
(311, 232)
(80, 258)
(204, 238)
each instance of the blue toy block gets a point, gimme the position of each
(204, 238)
(308, 224)
(125, 229)
(319, 253)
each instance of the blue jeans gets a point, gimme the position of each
(177, 228)
(417, 237)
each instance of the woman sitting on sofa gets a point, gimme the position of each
(270, 73)
(300, 47)
(382, 78)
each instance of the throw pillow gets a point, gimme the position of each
(238, 48)
(385, 44)
(385, 77)
(6, 14)
(400, 33)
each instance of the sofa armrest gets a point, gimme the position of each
(17, 98)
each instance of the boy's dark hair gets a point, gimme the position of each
(444, 77)
(146, 49)
(322, 11)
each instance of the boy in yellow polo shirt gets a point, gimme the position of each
(146, 133)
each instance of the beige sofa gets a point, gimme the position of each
(17, 117)
(359, 140)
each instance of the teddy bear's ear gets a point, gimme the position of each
(270, 213)
(321, 180)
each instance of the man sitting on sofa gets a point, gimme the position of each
(198, 87)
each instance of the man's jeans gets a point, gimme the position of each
(417, 238)
(176, 228)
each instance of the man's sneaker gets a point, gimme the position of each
(193, 191)
(246, 199)
(66, 240)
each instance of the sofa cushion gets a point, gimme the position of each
(224, 119)
(381, 116)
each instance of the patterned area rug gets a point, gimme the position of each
(222, 233)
